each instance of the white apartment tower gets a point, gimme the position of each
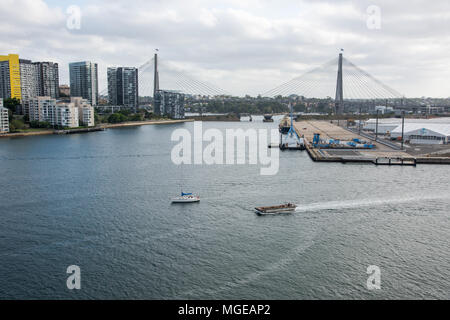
(4, 118)
(86, 114)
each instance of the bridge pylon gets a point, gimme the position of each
(339, 100)
(155, 76)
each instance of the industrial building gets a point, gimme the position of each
(384, 125)
(416, 131)
(423, 133)
(384, 109)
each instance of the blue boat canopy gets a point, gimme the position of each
(186, 194)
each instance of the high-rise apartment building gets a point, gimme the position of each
(84, 81)
(123, 87)
(169, 103)
(4, 118)
(29, 81)
(48, 79)
(10, 77)
(24, 79)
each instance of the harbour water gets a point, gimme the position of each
(102, 201)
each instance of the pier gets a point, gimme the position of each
(79, 130)
(381, 155)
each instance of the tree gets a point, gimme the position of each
(97, 117)
(136, 117)
(43, 124)
(117, 118)
(300, 107)
(16, 125)
(11, 104)
(125, 112)
(148, 115)
(322, 107)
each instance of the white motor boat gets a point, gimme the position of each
(186, 198)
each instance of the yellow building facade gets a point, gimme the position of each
(14, 74)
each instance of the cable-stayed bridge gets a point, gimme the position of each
(338, 78)
(321, 82)
(171, 77)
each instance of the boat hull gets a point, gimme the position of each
(287, 208)
(284, 130)
(185, 199)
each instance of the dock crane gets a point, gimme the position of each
(292, 134)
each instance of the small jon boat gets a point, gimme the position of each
(284, 208)
(186, 198)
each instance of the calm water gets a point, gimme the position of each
(101, 201)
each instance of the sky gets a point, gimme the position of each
(243, 47)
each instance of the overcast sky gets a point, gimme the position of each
(241, 46)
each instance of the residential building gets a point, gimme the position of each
(24, 79)
(10, 77)
(169, 103)
(41, 109)
(4, 118)
(123, 87)
(48, 79)
(86, 115)
(45, 109)
(64, 90)
(84, 81)
(29, 81)
(67, 115)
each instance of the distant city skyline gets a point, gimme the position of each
(244, 48)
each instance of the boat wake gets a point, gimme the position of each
(337, 205)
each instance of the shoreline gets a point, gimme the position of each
(92, 129)
(142, 123)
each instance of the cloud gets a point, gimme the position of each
(243, 47)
